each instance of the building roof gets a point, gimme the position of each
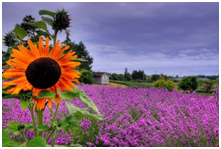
(98, 74)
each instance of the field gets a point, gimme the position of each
(133, 84)
(199, 89)
(111, 84)
(143, 117)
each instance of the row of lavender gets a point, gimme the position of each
(135, 117)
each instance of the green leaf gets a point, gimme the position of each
(82, 112)
(40, 33)
(71, 119)
(14, 131)
(63, 126)
(28, 125)
(43, 128)
(73, 127)
(46, 12)
(20, 32)
(80, 60)
(86, 100)
(67, 95)
(36, 142)
(9, 96)
(40, 24)
(24, 104)
(83, 71)
(49, 21)
(74, 145)
(13, 124)
(46, 94)
(4, 78)
(53, 122)
(7, 140)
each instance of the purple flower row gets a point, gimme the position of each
(135, 117)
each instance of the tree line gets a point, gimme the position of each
(140, 76)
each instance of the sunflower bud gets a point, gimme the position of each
(62, 20)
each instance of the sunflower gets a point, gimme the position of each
(39, 69)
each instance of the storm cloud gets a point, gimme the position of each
(169, 38)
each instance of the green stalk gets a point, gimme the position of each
(56, 111)
(40, 121)
(33, 120)
(55, 37)
(48, 134)
(55, 137)
(24, 136)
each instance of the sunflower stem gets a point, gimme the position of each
(55, 37)
(49, 134)
(56, 111)
(55, 137)
(40, 121)
(33, 120)
(24, 136)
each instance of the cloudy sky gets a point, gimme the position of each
(170, 38)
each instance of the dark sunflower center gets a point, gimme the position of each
(43, 73)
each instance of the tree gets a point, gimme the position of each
(129, 77)
(33, 31)
(138, 75)
(135, 74)
(155, 77)
(114, 76)
(81, 52)
(125, 73)
(170, 85)
(121, 77)
(189, 83)
(10, 40)
(5, 56)
(194, 82)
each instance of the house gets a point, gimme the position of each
(5, 67)
(101, 78)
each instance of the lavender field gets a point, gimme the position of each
(134, 118)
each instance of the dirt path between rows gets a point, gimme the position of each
(114, 85)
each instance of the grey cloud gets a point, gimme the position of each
(137, 35)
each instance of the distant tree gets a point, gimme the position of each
(32, 31)
(194, 82)
(67, 40)
(125, 73)
(170, 85)
(155, 77)
(138, 75)
(114, 76)
(135, 74)
(162, 77)
(5, 56)
(81, 52)
(185, 84)
(121, 77)
(129, 77)
(177, 76)
(189, 83)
